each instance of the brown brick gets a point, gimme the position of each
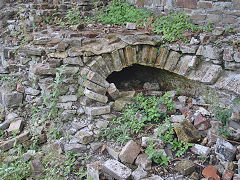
(191, 4)
(204, 4)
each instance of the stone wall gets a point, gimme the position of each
(221, 13)
(205, 67)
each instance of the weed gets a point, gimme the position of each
(120, 12)
(137, 115)
(223, 115)
(173, 26)
(156, 155)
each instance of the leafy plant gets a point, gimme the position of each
(137, 115)
(223, 115)
(173, 25)
(156, 155)
(120, 12)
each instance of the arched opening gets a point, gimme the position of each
(134, 77)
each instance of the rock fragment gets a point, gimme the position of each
(129, 152)
(116, 169)
(211, 172)
(225, 150)
(185, 167)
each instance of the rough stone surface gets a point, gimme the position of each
(139, 173)
(200, 150)
(225, 150)
(116, 169)
(185, 167)
(129, 152)
(16, 126)
(77, 148)
(143, 161)
(94, 111)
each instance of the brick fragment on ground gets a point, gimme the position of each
(129, 152)
(211, 172)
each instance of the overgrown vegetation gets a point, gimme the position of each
(223, 115)
(168, 137)
(137, 115)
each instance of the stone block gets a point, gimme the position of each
(32, 51)
(96, 78)
(237, 57)
(67, 105)
(114, 153)
(188, 48)
(225, 150)
(143, 161)
(6, 145)
(93, 170)
(228, 175)
(129, 152)
(113, 91)
(185, 167)
(211, 52)
(85, 136)
(185, 64)
(200, 150)
(61, 55)
(201, 123)
(190, 4)
(162, 58)
(92, 86)
(130, 55)
(95, 111)
(95, 96)
(139, 173)
(73, 61)
(204, 4)
(172, 61)
(67, 98)
(31, 91)
(103, 65)
(43, 69)
(227, 54)
(131, 26)
(116, 59)
(74, 147)
(16, 126)
(187, 132)
(11, 99)
(37, 168)
(116, 169)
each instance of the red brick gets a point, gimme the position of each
(191, 4)
(211, 172)
(228, 175)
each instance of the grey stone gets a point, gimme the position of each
(200, 150)
(77, 148)
(129, 152)
(109, 117)
(139, 173)
(144, 161)
(113, 91)
(85, 136)
(225, 150)
(73, 61)
(101, 124)
(116, 169)
(211, 52)
(154, 177)
(131, 26)
(151, 86)
(27, 156)
(95, 96)
(145, 141)
(16, 126)
(177, 118)
(67, 98)
(96, 145)
(114, 153)
(185, 167)
(12, 99)
(67, 105)
(93, 171)
(37, 167)
(31, 91)
(94, 111)
(188, 48)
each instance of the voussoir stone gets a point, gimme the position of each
(129, 152)
(116, 169)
